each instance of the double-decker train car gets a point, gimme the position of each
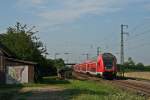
(105, 66)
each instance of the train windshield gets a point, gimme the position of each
(108, 64)
(108, 60)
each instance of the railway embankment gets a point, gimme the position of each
(136, 86)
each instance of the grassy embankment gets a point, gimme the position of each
(54, 89)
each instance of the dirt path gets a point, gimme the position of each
(40, 93)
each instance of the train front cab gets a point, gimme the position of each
(107, 65)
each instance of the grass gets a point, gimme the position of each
(52, 88)
(88, 90)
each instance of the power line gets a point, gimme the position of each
(140, 45)
(137, 35)
(140, 40)
(139, 25)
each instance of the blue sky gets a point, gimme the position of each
(80, 26)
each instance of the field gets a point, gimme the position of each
(138, 75)
(52, 88)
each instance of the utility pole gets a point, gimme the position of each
(67, 53)
(56, 55)
(122, 45)
(98, 51)
(87, 56)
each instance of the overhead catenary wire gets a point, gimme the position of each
(137, 35)
(130, 42)
(137, 27)
(138, 46)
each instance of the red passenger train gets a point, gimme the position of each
(105, 65)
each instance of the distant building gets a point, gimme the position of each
(15, 71)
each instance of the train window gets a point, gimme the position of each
(93, 69)
(108, 64)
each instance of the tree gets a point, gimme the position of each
(140, 64)
(23, 43)
(59, 63)
(130, 62)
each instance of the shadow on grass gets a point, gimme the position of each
(11, 86)
(125, 78)
(66, 94)
(7, 92)
(53, 80)
(6, 96)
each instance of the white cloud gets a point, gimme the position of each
(147, 6)
(37, 1)
(56, 12)
(30, 3)
(72, 10)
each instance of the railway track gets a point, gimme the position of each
(136, 87)
(139, 87)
